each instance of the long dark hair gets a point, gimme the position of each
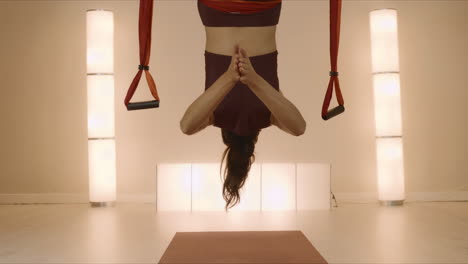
(240, 156)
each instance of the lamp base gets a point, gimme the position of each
(103, 204)
(391, 202)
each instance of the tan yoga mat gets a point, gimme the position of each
(241, 247)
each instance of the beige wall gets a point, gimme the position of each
(43, 90)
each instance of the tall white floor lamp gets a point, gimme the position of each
(387, 106)
(100, 105)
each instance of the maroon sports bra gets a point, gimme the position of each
(239, 13)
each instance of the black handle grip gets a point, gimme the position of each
(334, 112)
(143, 105)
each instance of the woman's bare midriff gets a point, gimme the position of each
(255, 40)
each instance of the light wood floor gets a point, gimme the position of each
(428, 232)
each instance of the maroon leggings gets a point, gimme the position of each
(241, 111)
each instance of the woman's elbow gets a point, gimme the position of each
(302, 130)
(184, 128)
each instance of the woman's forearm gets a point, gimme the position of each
(204, 105)
(284, 111)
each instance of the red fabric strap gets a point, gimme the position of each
(335, 20)
(144, 33)
(242, 6)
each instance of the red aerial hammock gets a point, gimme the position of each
(144, 33)
(335, 15)
(145, 18)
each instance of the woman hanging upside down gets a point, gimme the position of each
(242, 93)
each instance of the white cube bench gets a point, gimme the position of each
(268, 187)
